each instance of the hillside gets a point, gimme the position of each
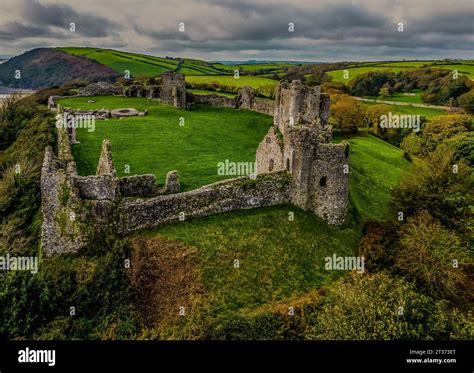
(464, 67)
(45, 67)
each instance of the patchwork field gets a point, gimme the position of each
(157, 144)
(464, 67)
(141, 65)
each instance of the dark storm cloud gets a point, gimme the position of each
(62, 15)
(16, 30)
(248, 27)
(53, 21)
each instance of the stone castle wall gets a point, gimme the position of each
(300, 142)
(245, 99)
(296, 163)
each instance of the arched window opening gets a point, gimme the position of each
(323, 182)
(271, 164)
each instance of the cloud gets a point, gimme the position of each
(324, 29)
(52, 20)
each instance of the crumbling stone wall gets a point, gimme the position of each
(100, 89)
(245, 99)
(214, 100)
(228, 195)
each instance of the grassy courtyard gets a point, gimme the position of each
(157, 143)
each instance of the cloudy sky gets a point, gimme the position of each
(324, 30)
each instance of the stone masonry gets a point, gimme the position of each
(296, 163)
(300, 143)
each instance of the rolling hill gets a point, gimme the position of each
(45, 67)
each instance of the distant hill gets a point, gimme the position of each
(45, 67)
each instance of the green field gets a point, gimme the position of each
(265, 85)
(411, 110)
(157, 144)
(464, 67)
(410, 97)
(141, 65)
(204, 92)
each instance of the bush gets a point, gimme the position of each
(379, 307)
(434, 258)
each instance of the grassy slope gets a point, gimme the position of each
(278, 258)
(157, 144)
(375, 167)
(141, 65)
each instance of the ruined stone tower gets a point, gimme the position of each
(173, 89)
(300, 143)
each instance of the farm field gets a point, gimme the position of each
(412, 110)
(141, 65)
(410, 97)
(464, 67)
(264, 85)
(157, 144)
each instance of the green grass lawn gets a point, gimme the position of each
(375, 167)
(157, 144)
(278, 258)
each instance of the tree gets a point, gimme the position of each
(380, 307)
(440, 184)
(466, 101)
(384, 93)
(347, 114)
(433, 257)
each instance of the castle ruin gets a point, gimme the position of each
(296, 163)
(300, 143)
